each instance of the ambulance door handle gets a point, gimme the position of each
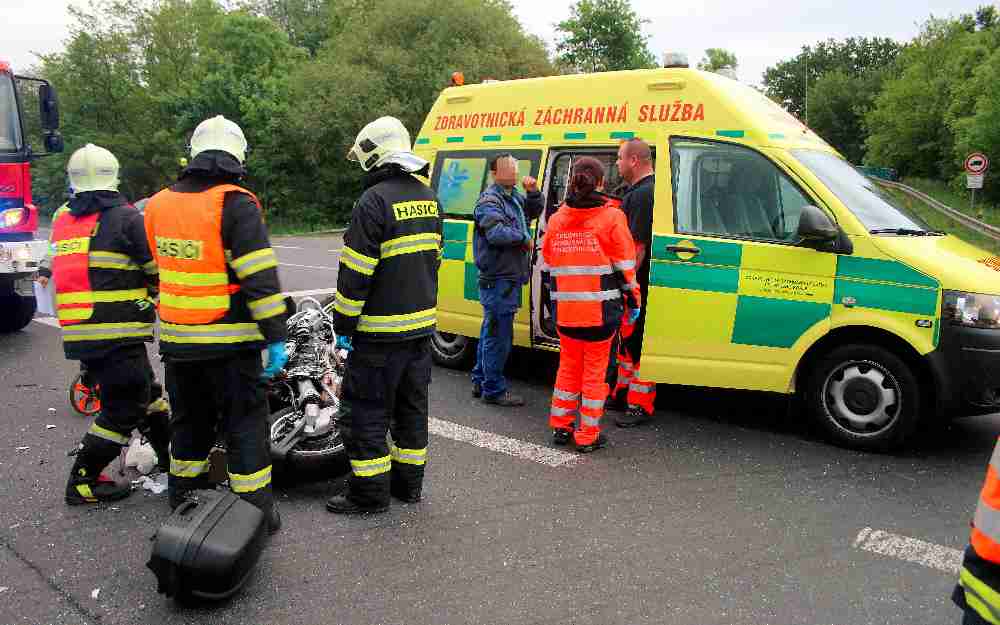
(683, 249)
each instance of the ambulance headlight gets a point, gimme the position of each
(972, 310)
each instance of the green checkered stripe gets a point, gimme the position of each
(458, 246)
(772, 322)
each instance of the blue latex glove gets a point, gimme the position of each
(277, 356)
(344, 342)
(633, 314)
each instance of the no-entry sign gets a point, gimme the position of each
(977, 163)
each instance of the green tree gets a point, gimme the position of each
(717, 58)
(602, 36)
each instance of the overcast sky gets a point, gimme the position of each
(760, 32)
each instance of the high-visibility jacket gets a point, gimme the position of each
(590, 257)
(104, 276)
(388, 276)
(979, 579)
(215, 295)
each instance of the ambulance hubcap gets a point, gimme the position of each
(862, 397)
(449, 344)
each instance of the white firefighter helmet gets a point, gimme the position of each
(92, 168)
(219, 133)
(385, 141)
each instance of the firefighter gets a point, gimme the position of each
(220, 304)
(105, 281)
(591, 260)
(384, 314)
(978, 589)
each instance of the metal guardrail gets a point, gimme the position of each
(986, 229)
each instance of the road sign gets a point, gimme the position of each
(974, 181)
(977, 163)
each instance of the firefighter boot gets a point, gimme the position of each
(87, 485)
(155, 429)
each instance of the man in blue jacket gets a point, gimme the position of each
(502, 246)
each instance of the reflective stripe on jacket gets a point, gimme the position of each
(979, 578)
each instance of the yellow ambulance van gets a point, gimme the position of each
(775, 265)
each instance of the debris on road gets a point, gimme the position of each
(141, 456)
(94, 593)
(4, 588)
(156, 485)
(50, 426)
(24, 448)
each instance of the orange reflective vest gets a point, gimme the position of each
(590, 255)
(185, 236)
(71, 267)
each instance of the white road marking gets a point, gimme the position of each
(311, 292)
(307, 266)
(496, 442)
(920, 552)
(49, 321)
(335, 249)
(287, 247)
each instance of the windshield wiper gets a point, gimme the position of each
(906, 232)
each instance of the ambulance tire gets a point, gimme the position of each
(453, 350)
(16, 311)
(864, 397)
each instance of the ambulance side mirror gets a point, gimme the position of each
(818, 231)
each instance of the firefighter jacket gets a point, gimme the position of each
(104, 275)
(978, 587)
(388, 276)
(219, 289)
(590, 257)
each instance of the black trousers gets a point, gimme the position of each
(125, 377)
(385, 391)
(207, 396)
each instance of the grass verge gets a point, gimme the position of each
(942, 222)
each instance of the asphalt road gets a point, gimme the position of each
(726, 510)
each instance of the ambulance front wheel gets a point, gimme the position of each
(865, 397)
(453, 350)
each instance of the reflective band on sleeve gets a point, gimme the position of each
(371, 468)
(193, 279)
(347, 306)
(85, 492)
(91, 297)
(623, 265)
(424, 242)
(195, 302)
(638, 387)
(397, 323)
(267, 307)
(111, 260)
(108, 435)
(590, 421)
(188, 468)
(593, 404)
(107, 331)
(586, 296)
(211, 333)
(564, 395)
(561, 412)
(250, 483)
(987, 521)
(995, 459)
(581, 270)
(409, 456)
(74, 314)
(986, 600)
(151, 267)
(251, 263)
(358, 262)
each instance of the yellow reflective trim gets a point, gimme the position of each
(107, 435)
(86, 493)
(193, 279)
(111, 260)
(90, 297)
(150, 267)
(195, 302)
(398, 323)
(358, 256)
(211, 333)
(267, 307)
(411, 244)
(264, 301)
(74, 314)
(409, 456)
(371, 468)
(65, 247)
(188, 468)
(249, 483)
(255, 261)
(106, 331)
(987, 598)
(351, 264)
(347, 306)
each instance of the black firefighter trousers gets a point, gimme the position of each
(385, 391)
(227, 395)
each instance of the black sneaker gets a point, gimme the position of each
(615, 403)
(477, 390)
(561, 437)
(633, 417)
(506, 400)
(342, 504)
(597, 444)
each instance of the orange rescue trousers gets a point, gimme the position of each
(580, 385)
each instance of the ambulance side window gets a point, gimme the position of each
(730, 190)
(459, 177)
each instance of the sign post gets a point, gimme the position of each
(976, 165)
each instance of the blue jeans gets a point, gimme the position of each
(500, 300)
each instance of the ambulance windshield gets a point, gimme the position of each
(878, 210)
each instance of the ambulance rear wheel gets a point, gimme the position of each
(864, 397)
(16, 311)
(453, 350)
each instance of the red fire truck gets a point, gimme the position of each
(21, 250)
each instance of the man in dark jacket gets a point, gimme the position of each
(105, 279)
(385, 311)
(502, 247)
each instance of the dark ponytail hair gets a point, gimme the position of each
(587, 172)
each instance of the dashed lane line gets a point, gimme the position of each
(307, 266)
(909, 549)
(502, 444)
